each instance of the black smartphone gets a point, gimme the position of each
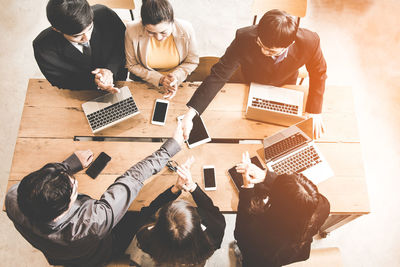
(98, 165)
(209, 177)
(160, 112)
(237, 177)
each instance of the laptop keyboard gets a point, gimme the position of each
(273, 105)
(302, 160)
(112, 113)
(284, 145)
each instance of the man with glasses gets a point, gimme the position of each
(84, 47)
(72, 229)
(269, 53)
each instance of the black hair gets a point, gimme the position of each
(45, 194)
(177, 237)
(69, 16)
(277, 29)
(292, 201)
(154, 12)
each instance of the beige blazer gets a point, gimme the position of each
(136, 43)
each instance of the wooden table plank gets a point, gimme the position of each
(50, 112)
(346, 191)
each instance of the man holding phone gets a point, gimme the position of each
(73, 229)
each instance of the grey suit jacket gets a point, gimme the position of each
(83, 236)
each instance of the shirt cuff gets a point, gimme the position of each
(73, 164)
(171, 146)
(193, 109)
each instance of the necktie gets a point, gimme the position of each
(86, 49)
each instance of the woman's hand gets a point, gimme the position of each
(250, 172)
(85, 157)
(185, 175)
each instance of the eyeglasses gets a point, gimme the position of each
(271, 51)
(85, 32)
(172, 165)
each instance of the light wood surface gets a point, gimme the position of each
(326, 257)
(52, 118)
(346, 192)
(224, 117)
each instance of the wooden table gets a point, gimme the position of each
(52, 118)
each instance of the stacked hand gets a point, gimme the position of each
(170, 84)
(318, 124)
(104, 80)
(251, 173)
(184, 180)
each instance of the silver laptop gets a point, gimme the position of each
(110, 109)
(274, 104)
(293, 151)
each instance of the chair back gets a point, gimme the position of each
(122, 4)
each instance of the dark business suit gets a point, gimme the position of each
(266, 241)
(256, 67)
(65, 66)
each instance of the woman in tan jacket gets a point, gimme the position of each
(159, 49)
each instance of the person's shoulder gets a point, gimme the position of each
(45, 37)
(249, 32)
(184, 27)
(101, 11)
(134, 28)
(306, 36)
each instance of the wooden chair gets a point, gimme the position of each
(119, 4)
(204, 69)
(296, 8)
(327, 257)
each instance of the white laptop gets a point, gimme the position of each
(293, 150)
(110, 109)
(274, 104)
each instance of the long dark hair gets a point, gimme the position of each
(177, 236)
(292, 201)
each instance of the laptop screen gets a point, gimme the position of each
(307, 127)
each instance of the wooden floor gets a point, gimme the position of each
(360, 40)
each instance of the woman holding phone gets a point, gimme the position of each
(160, 49)
(278, 215)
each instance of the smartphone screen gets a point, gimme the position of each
(209, 178)
(98, 165)
(160, 112)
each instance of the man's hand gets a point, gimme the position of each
(178, 134)
(184, 174)
(318, 124)
(104, 80)
(187, 123)
(85, 157)
(250, 172)
(170, 84)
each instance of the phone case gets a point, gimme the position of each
(98, 165)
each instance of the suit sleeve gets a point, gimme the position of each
(220, 74)
(114, 203)
(316, 68)
(211, 216)
(162, 199)
(60, 74)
